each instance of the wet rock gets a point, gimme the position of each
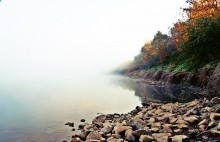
(81, 126)
(76, 139)
(99, 120)
(83, 135)
(94, 135)
(145, 104)
(120, 129)
(82, 120)
(146, 138)
(138, 108)
(129, 135)
(180, 138)
(87, 127)
(71, 124)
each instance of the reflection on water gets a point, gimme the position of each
(37, 111)
(159, 91)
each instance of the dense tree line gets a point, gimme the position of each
(194, 41)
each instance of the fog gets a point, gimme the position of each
(56, 39)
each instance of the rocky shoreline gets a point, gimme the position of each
(198, 120)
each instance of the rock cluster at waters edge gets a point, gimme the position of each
(198, 120)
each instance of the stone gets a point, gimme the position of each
(203, 122)
(93, 140)
(146, 138)
(183, 126)
(76, 139)
(218, 126)
(117, 136)
(138, 133)
(214, 116)
(177, 130)
(71, 124)
(161, 137)
(129, 135)
(173, 120)
(215, 132)
(82, 120)
(111, 139)
(136, 124)
(99, 120)
(193, 132)
(167, 128)
(88, 127)
(103, 139)
(94, 135)
(202, 127)
(120, 129)
(83, 135)
(154, 130)
(107, 128)
(180, 138)
(151, 120)
(138, 108)
(211, 124)
(180, 121)
(215, 100)
(158, 111)
(191, 119)
(145, 104)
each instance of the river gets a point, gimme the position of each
(36, 111)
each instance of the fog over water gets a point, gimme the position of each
(62, 39)
(54, 57)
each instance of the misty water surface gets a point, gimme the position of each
(37, 110)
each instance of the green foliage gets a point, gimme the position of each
(203, 44)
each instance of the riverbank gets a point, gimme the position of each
(198, 120)
(207, 77)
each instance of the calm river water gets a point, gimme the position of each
(36, 111)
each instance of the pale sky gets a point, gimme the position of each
(48, 38)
